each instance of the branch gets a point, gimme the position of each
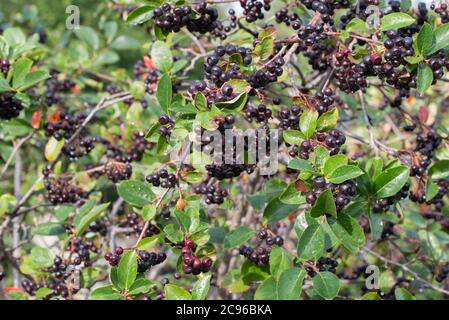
(14, 151)
(406, 269)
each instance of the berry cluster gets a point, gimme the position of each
(398, 47)
(202, 18)
(133, 220)
(134, 153)
(282, 16)
(118, 171)
(342, 192)
(314, 45)
(252, 9)
(168, 179)
(419, 169)
(61, 190)
(10, 106)
(426, 145)
(322, 101)
(212, 194)
(63, 125)
(327, 264)
(100, 226)
(443, 273)
(166, 125)
(219, 71)
(443, 11)
(261, 254)
(55, 85)
(114, 257)
(326, 7)
(4, 66)
(81, 250)
(226, 171)
(384, 204)
(289, 118)
(349, 77)
(148, 259)
(259, 114)
(332, 140)
(191, 263)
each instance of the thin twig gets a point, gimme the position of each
(14, 151)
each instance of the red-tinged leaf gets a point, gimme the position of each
(148, 62)
(13, 289)
(301, 187)
(53, 118)
(292, 217)
(36, 119)
(76, 89)
(423, 114)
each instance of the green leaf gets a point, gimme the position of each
(334, 162)
(53, 148)
(21, 69)
(264, 48)
(42, 257)
(277, 210)
(162, 56)
(125, 43)
(425, 78)
(147, 243)
(266, 290)
(292, 196)
(164, 92)
(105, 293)
(4, 84)
(292, 136)
(403, 294)
(106, 57)
(140, 15)
(42, 293)
(328, 120)
(290, 284)
(344, 173)
(141, 286)
(173, 292)
(425, 39)
(395, 21)
(200, 101)
(149, 212)
(441, 38)
(300, 164)
(311, 242)
(308, 122)
(90, 217)
(279, 261)
(238, 236)
(431, 189)
(135, 192)
(88, 35)
(389, 182)
(326, 284)
(235, 104)
(127, 269)
(33, 78)
(48, 229)
(324, 205)
(348, 231)
(439, 170)
(201, 288)
(370, 296)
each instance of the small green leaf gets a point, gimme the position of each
(441, 38)
(264, 48)
(127, 269)
(88, 35)
(311, 242)
(326, 284)
(389, 182)
(164, 92)
(141, 286)
(292, 136)
(48, 229)
(140, 15)
(344, 173)
(324, 205)
(53, 148)
(290, 284)
(425, 40)
(162, 56)
(201, 288)
(266, 290)
(90, 217)
(135, 192)
(395, 20)
(403, 294)
(42, 257)
(173, 292)
(328, 120)
(277, 210)
(149, 211)
(334, 162)
(279, 261)
(308, 122)
(147, 243)
(238, 236)
(348, 231)
(105, 293)
(425, 78)
(200, 102)
(21, 70)
(439, 170)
